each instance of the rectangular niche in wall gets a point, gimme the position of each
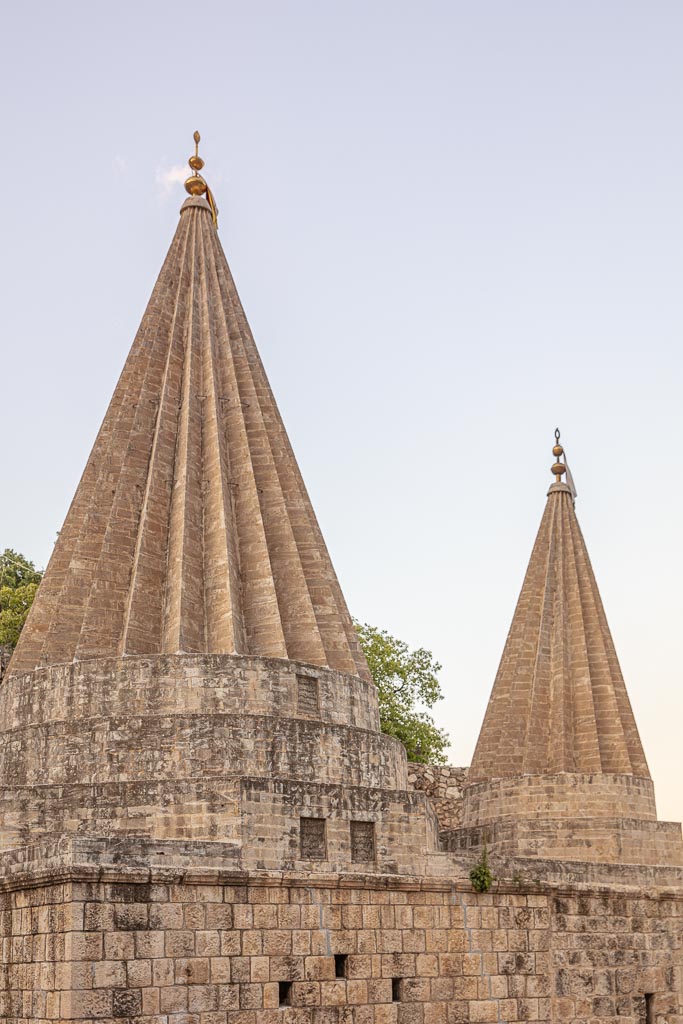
(285, 993)
(362, 841)
(312, 838)
(307, 695)
(340, 964)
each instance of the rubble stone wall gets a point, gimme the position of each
(5, 655)
(443, 784)
(209, 948)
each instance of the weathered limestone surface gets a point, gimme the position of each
(607, 841)
(186, 684)
(137, 719)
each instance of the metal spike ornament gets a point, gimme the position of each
(562, 467)
(195, 185)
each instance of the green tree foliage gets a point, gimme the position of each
(407, 684)
(19, 581)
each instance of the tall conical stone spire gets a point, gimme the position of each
(559, 703)
(189, 689)
(191, 529)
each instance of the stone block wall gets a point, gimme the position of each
(257, 821)
(603, 842)
(210, 947)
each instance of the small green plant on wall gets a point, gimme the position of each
(481, 876)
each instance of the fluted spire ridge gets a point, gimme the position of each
(559, 702)
(191, 529)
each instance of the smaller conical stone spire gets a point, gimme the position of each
(559, 703)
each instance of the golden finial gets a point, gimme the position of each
(196, 162)
(559, 468)
(195, 184)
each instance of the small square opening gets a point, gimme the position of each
(285, 993)
(340, 965)
(396, 988)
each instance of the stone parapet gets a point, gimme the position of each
(186, 809)
(405, 830)
(129, 858)
(601, 819)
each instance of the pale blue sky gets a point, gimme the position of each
(454, 226)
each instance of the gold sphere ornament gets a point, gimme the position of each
(195, 185)
(558, 469)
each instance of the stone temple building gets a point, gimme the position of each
(200, 820)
